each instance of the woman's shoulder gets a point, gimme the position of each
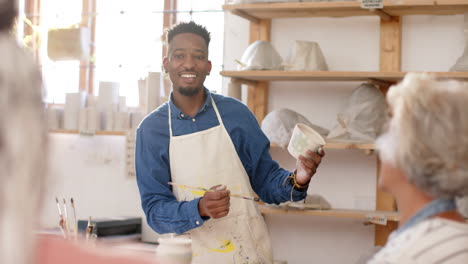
(426, 242)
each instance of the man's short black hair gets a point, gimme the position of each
(189, 27)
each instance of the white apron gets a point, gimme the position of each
(207, 158)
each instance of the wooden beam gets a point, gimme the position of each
(257, 99)
(343, 145)
(88, 20)
(260, 30)
(83, 71)
(257, 95)
(384, 202)
(243, 81)
(390, 45)
(91, 62)
(334, 212)
(383, 232)
(245, 15)
(383, 85)
(169, 19)
(99, 133)
(390, 60)
(377, 77)
(166, 24)
(381, 82)
(346, 9)
(384, 16)
(32, 9)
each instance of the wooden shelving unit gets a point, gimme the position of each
(343, 145)
(99, 133)
(260, 16)
(338, 213)
(258, 11)
(390, 77)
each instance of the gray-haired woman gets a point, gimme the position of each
(424, 157)
(23, 142)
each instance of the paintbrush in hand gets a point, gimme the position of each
(182, 186)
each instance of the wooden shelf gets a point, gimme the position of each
(342, 145)
(391, 77)
(255, 12)
(338, 213)
(99, 133)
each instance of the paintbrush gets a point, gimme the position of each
(256, 199)
(65, 216)
(75, 223)
(89, 228)
(61, 222)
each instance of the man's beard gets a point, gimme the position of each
(189, 91)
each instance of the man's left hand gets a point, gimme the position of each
(307, 166)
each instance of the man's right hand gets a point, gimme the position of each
(215, 203)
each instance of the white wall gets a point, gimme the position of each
(346, 177)
(92, 169)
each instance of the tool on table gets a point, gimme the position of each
(112, 226)
(256, 199)
(89, 229)
(61, 221)
(75, 222)
(65, 216)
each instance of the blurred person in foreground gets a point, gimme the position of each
(23, 159)
(424, 157)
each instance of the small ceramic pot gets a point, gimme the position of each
(174, 250)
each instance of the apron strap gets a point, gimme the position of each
(218, 115)
(170, 119)
(220, 120)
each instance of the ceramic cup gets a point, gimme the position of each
(304, 138)
(174, 249)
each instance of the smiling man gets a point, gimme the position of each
(188, 64)
(207, 140)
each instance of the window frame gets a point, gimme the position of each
(87, 68)
(32, 9)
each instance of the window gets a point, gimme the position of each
(60, 77)
(204, 13)
(128, 42)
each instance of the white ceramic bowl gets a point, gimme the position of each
(304, 138)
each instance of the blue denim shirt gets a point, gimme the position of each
(163, 212)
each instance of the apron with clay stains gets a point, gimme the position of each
(207, 158)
